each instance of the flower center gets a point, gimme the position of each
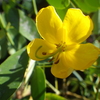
(63, 46)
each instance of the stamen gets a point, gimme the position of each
(51, 59)
(56, 62)
(58, 45)
(44, 53)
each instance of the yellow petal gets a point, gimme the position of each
(78, 26)
(48, 24)
(37, 53)
(61, 69)
(81, 56)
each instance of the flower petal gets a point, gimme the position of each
(61, 69)
(48, 24)
(78, 26)
(82, 56)
(36, 53)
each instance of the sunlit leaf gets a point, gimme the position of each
(27, 27)
(12, 72)
(22, 23)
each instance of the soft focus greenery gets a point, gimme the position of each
(24, 79)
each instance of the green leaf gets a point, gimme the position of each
(27, 27)
(3, 44)
(12, 16)
(2, 34)
(59, 4)
(28, 6)
(84, 7)
(61, 12)
(12, 72)
(20, 41)
(3, 48)
(22, 23)
(95, 70)
(3, 21)
(38, 84)
(5, 6)
(96, 21)
(93, 3)
(16, 40)
(52, 96)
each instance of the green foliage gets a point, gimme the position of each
(3, 44)
(27, 27)
(17, 29)
(92, 3)
(84, 6)
(12, 72)
(38, 84)
(60, 4)
(96, 20)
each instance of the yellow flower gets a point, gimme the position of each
(61, 41)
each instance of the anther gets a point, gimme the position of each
(51, 59)
(58, 45)
(44, 53)
(56, 62)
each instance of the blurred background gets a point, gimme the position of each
(24, 79)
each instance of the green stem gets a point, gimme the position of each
(2, 21)
(52, 87)
(6, 28)
(56, 83)
(98, 89)
(72, 4)
(78, 76)
(7, 33)
(34, 6)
